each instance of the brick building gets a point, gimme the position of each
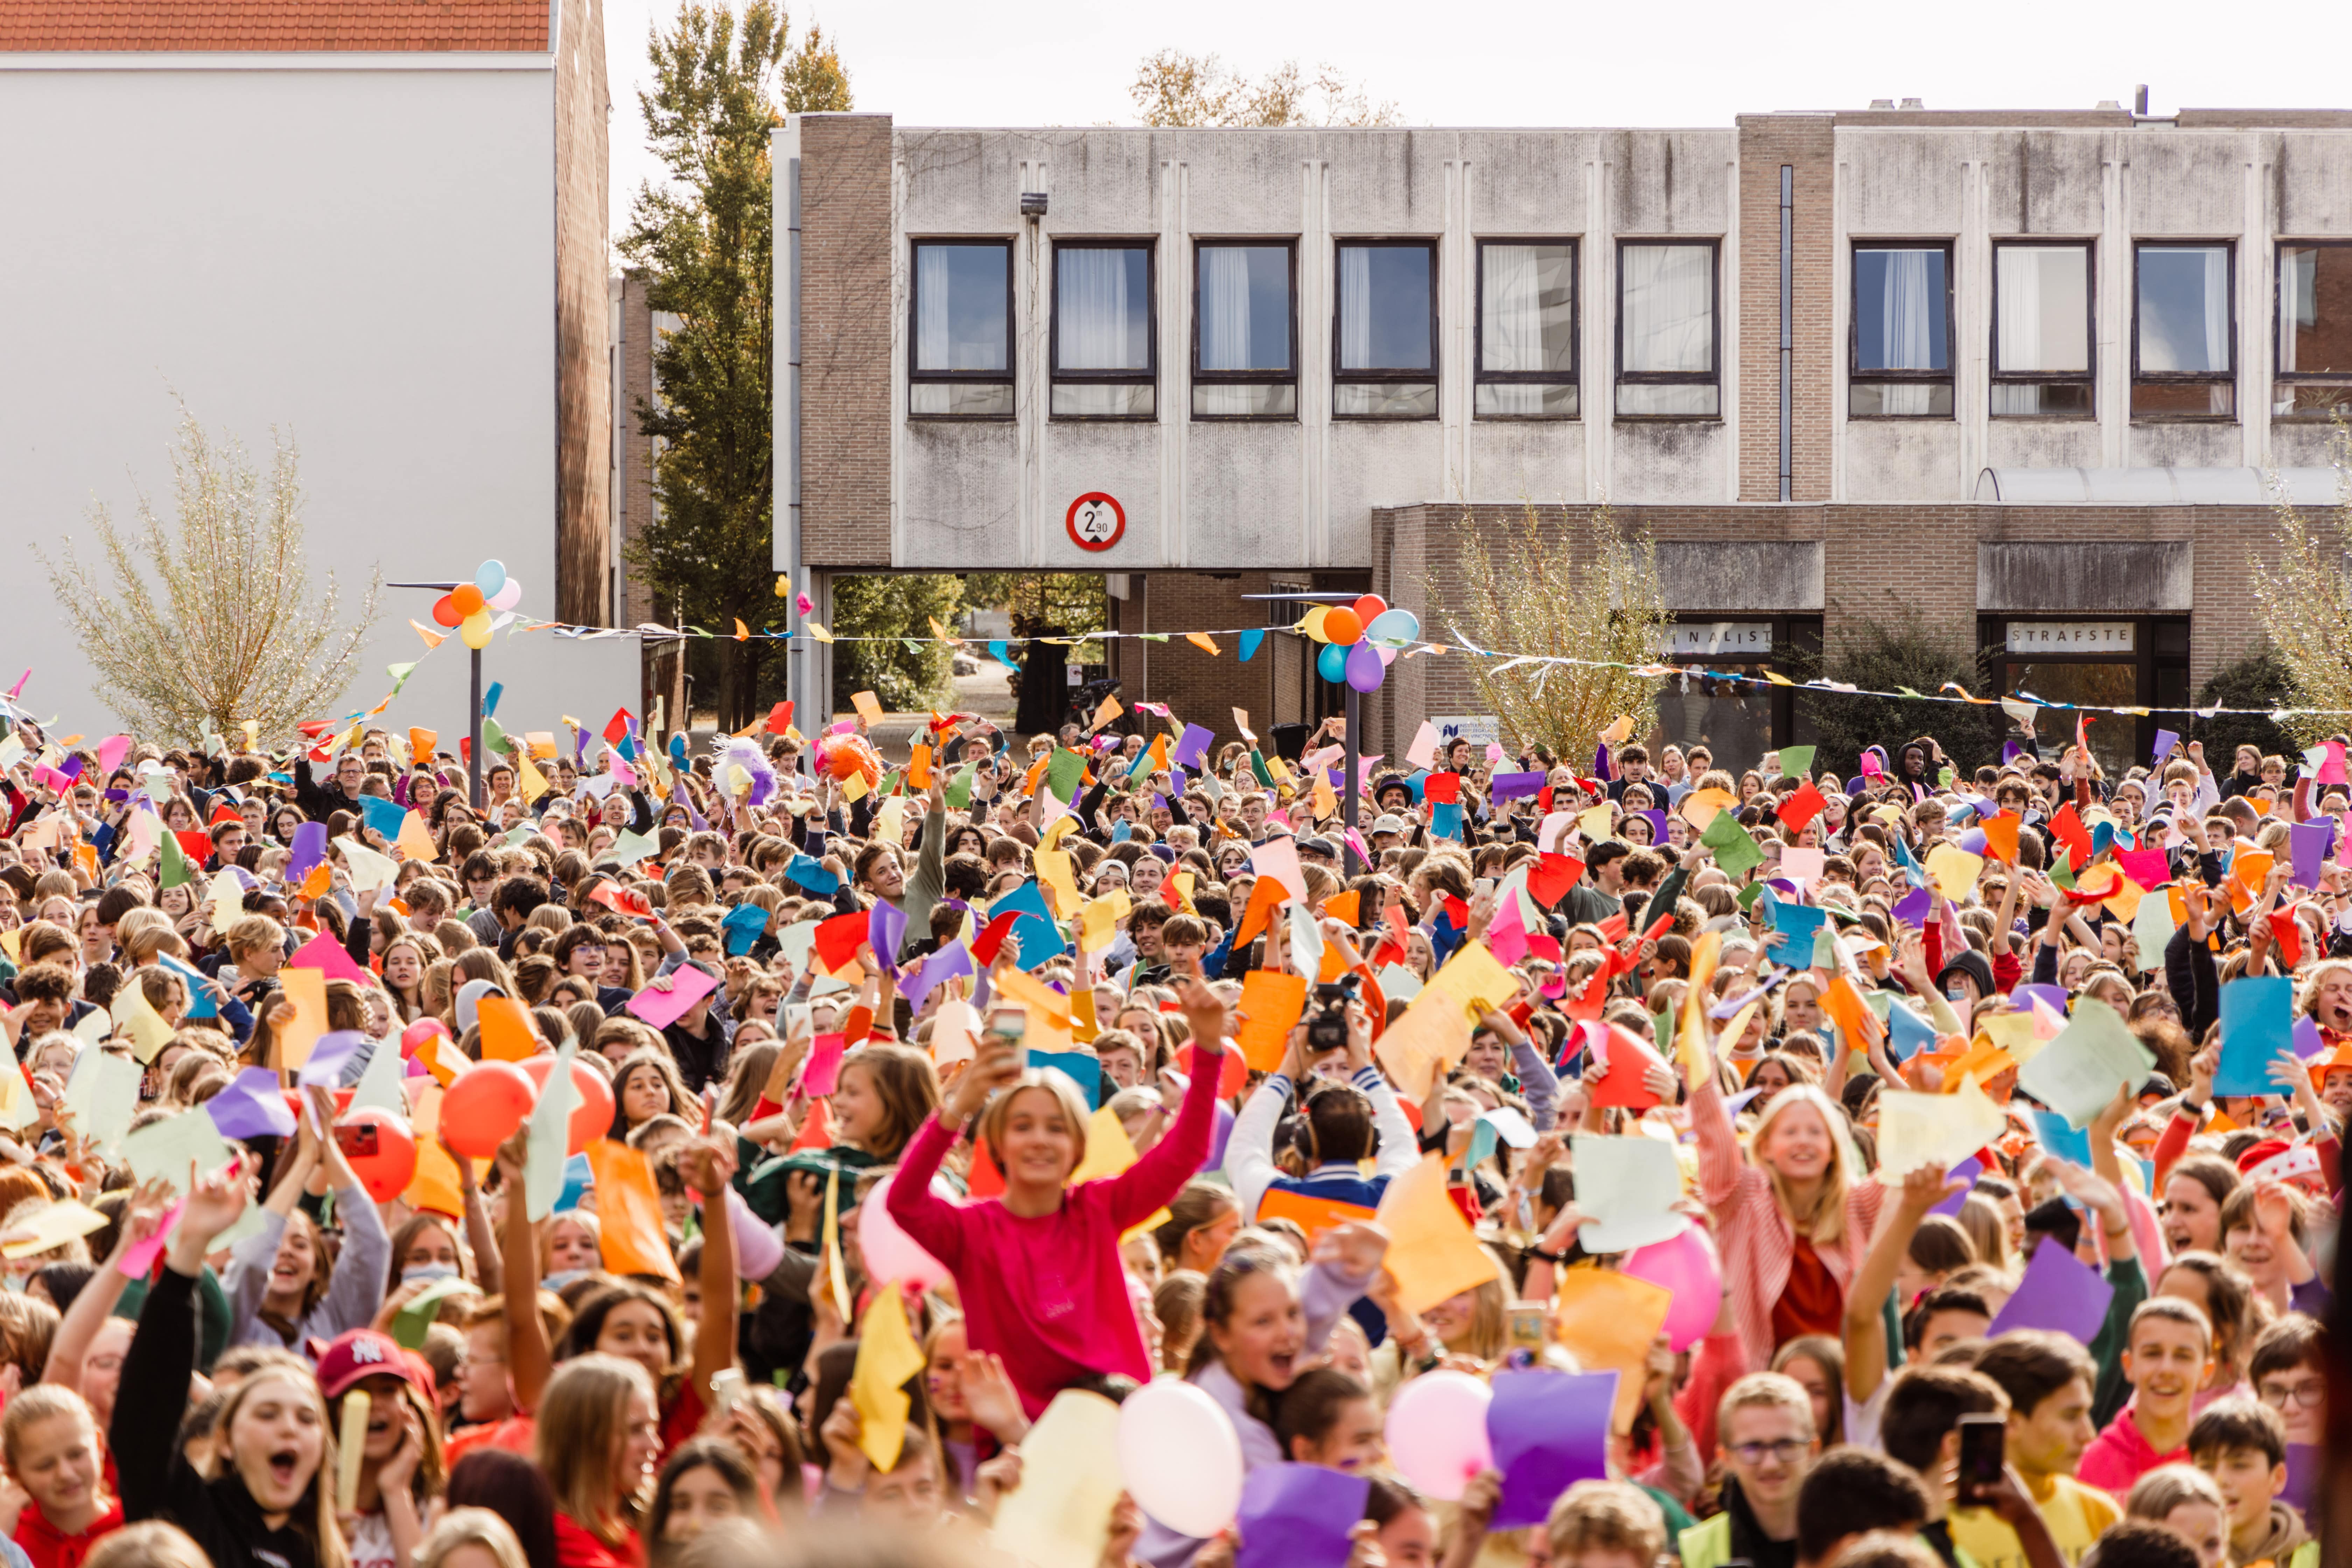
(2021, 378)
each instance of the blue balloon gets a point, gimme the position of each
(1365, 670)
(1331, 664)
(1393, 628)
(491, 577)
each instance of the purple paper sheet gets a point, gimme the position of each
(2060, 1293)
(1298, 1516)
(1912, 908)
(884, 928)
(2309, 843)
(1192, 747)
(1548, 1430)
(309, 847)
(333, 1052)
(1513, 787)
(251, 1107)
(946, 963)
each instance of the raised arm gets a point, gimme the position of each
(530, 1360)
(1144, 1186)
(1866, 1300)
(94, 1303)
(707, 1167)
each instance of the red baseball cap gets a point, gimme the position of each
(364, 1352)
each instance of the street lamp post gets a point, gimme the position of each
(475, 791)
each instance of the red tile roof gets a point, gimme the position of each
(409, 26)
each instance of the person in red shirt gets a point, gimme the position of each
(598, 1435)
(50, 1440)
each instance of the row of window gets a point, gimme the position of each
(1104, 333)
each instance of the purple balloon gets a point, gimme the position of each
(1365, 670)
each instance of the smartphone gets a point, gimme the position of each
(1526, 1328)
(1983, 1451)
(359, 1141)
(727, 1388)
(1009, 1024)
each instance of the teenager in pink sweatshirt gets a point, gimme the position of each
(1037, 1270)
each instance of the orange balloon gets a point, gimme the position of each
(1342, 626)
(464, 598)
(590, 1119)
(482, 1109)
(1370, 607)
(386, 1173)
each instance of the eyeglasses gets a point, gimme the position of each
(2311, 1394)
(1787, 1450)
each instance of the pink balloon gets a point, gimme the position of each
(890, 1253)
(507, 597)
(1686, 1265)
(1437, 1432)
(1387, 656)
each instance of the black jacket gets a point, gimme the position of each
(157, 1481)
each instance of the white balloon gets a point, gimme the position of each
(1437, 1432)
(1181, 1458)
(508, 595)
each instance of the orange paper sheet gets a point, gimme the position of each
(628, 1211)
(1314, 1216)
(1432, 1251)
(505, 1030)
(1271, 1002)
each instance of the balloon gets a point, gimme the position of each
(1180, 1457)
(1365, 670)
(445, 612)
(1315, 619)
(1387, 656)
(590, 1119)
(1331, 664)
(491, 577)
(1342, 626)
(1396, 627)
(891, 1255)
(466, 599)
(476, 631)
(386, 1173)
(481, 1109)
(1437, 1432)
(413, 1039)
(1370, 608)
(1686, 1264)
(508, 595)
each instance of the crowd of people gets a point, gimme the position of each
(955, 1092)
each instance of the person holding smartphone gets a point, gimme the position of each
(1038, 1268)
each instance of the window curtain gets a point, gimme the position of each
(1511, 332)
(2298, 305)
(1355, 308)
(934, 340)
(2018, 277)
(1224, 309)
(1101, 327)
(2217, 309)
(1907, 325)
(1669, 308)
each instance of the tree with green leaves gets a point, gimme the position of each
(722, 80)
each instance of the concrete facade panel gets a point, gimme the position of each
(2133, 579)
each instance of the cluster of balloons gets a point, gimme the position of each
(468, 606)
(1360, 640)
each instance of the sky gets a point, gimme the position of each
(1538, 62)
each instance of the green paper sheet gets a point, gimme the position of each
(2078, 1073)
(1736, 849)
(550, 1126)
(1797, 762)
(410, 1324)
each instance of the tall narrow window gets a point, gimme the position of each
(1902, 333)
(961, 345)
(2041, 330)
(1104, 361)
(1667, 363)
(1244, 334)
(1385, 347)
(2183, 337)
(1527, 330)
(2315, 332)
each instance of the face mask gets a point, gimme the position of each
(425, 1272)
(1958, 994)
(14, 1284)
(563, 1276)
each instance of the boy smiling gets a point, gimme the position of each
(2167, 1357)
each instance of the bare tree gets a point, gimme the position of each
(1174, 89)
(2306, 602)
(228, 630)
(1583, 587)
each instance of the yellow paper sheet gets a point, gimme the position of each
(1432, 1251)
(1059, 1517)
(869, 706)
(1691, 1029)
(1473, 979)
(1916, 1130)
(225, 899)
(1954, 870)
(1607, 1322)
(1100, 918)
(416, 840)
(1426, 1041)
(307, 989)
(1048, 1010)
(2014, 1033)
(1054, 872)
(53, 1226)
(886, 1357)
(134, 1015)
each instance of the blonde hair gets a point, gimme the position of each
(1769, 1390)
(992, 1121)
(583, 1419)
(1827, 1222)
(2156, 1493)
(39, 1402)
(325, 1533)
(1606, 1516)
(149, 1544)
(471, 1527)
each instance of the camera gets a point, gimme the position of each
(1327, 1026)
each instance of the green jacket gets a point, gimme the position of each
(1708, 1545)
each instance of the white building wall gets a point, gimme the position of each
(357, 250)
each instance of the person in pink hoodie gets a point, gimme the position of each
(1037, 1268)
(2168, 1355)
